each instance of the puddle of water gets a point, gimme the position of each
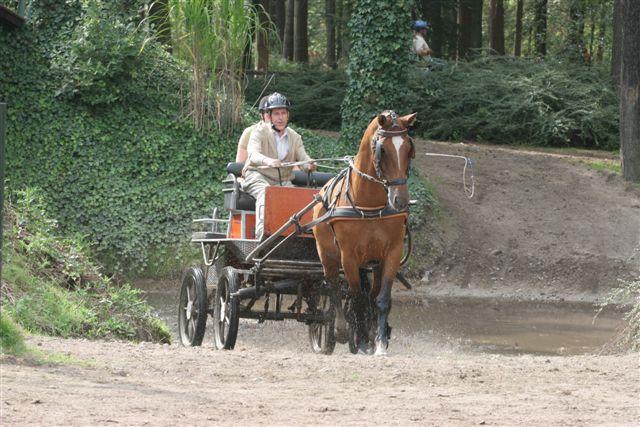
(487, 326)
(510, 327)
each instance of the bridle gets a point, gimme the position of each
(376, 147)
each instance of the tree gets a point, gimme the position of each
(330, 15)
(378, 63)
(262, 36)
(300, 34)
(432, 13)
(465, 18)
(517, 44)
(540, 27)
(496, 26)
(616, 54)
(470, 25)
(287, 45)
(630, 91)
(277, 11)
(575, 36)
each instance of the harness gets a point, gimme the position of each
(342, 183)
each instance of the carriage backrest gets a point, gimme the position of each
(300, 179)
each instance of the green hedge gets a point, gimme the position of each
(509, 101)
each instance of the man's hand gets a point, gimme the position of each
(311, 167)
(274, 163)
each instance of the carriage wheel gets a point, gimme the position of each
(322, 335)
(226, 309)
(192, 308)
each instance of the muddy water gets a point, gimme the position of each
(470, 325)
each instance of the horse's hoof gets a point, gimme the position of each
(381, 348)
(342, 335)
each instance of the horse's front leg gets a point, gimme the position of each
(389, 269)
(359, 304)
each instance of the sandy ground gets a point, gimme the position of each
(138, 384)
(540, 227)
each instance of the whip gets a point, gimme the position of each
(469, 192)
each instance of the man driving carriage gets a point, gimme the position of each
(271, 146)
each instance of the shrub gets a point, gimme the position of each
(517, 101)
(11, 337)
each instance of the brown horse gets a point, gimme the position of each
(366, 211)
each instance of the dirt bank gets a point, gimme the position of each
(541, 226)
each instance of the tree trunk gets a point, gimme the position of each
(330, 15)
(540, 27)
(343, 44)
(517, 45)
(432, 13)
(465, 19)
(630, 92)
(278, 15)
(300, 35)
(602, 31)
(262, 36)
(616, 54)
(496, 26)
(450, 26)
(287, 45)
(575, 36)
(476, 24)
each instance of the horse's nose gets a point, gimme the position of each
(400, 203)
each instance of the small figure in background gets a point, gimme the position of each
(420, 46)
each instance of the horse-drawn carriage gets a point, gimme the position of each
(281, 276)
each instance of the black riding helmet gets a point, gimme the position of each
(264, 102)
(277, 100)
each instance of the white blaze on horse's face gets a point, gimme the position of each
(397, 142)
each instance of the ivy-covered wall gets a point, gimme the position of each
(96, 124)
(378, 63)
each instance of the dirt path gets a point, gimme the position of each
(131, 384)
(541, 227)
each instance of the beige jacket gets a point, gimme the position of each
(262, 145)
(243, 143)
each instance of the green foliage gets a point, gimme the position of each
(627, 297)
(517, 102)
(378, 65)
(128, 174)
(316, 95)
(51, 285)
(11, 337)
(104, 61)
(212, 36)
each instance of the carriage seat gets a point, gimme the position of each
(234, 197)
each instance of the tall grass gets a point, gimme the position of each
(213, 36)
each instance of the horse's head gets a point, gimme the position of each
(393, 150)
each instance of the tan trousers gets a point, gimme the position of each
(255, 184)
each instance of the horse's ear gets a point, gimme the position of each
(408, 119)
(382, 119)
